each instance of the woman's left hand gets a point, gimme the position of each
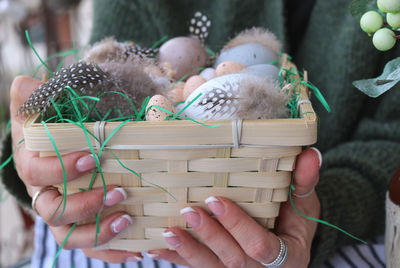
(234, 239)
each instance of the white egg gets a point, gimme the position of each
(247, 54)
(218, 100)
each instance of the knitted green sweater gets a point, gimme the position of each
(359, 139)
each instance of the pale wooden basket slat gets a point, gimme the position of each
(191, 162)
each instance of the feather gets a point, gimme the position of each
(256, 35)
(261, 99)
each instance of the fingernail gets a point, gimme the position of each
(151, 255)
(215, 205)
(172, 239)
(319, 155)
(121, 224)
(191, 216)
(134, 259)
(115, 196)
(85, 163)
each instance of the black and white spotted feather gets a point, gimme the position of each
(199, 26)
(83, 77)
(141, 52)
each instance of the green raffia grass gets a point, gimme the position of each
(37, 54)
(292, 188)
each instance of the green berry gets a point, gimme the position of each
(384, 39)
(389, 6)
(371, 21)
(393, 19)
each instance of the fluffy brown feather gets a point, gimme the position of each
(261, 99)
(256, 35)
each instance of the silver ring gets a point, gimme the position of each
(282, 256)
(304, 195)
(38, 193)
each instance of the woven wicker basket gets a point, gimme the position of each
(249, 163)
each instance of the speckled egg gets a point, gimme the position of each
(154, 113)
(208, 73)
(263, 70)
(228, 67)
(191, 84)
(175, 93)
(184, 54)
(247, 54)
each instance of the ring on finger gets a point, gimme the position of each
(38, 193)
(282, 256)
(304, 195)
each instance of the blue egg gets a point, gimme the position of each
(263, 70)
(247, 54)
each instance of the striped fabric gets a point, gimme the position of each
(371, 255)
(46, 248)
(355, 256)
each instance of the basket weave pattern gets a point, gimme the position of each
(192, 162)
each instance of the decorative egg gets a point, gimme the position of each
(218, 100)
(233, 96)
(247, 54)
(263, 70)
(175, 94)
(162, 81)
(208, 73)
(184, 54)
(191, 84)
(228, 67)
(156, 114)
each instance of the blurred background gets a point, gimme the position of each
(54, 26)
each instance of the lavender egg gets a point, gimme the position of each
(184, 54)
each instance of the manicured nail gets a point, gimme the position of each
(121, 224)
(134, 259)
(319, 155)
(191, 216)
(172, 239)
(85, 163)
(215, 205)
(151, 255)
(115, 196)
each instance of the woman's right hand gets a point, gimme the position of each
(37, 173)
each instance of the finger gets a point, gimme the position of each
(21, 88)
(84, 236)
(168, 255)
(216, 237)
(40, 171)
(258, 243)
(193, 252)
(307, 171)
(113, 256)
(79, 206)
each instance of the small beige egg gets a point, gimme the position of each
(175, 94)
(192, 83)
(228, 67)
(154, 113)
(184, 54)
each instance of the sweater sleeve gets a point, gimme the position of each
(9, 175)
(355, 176)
